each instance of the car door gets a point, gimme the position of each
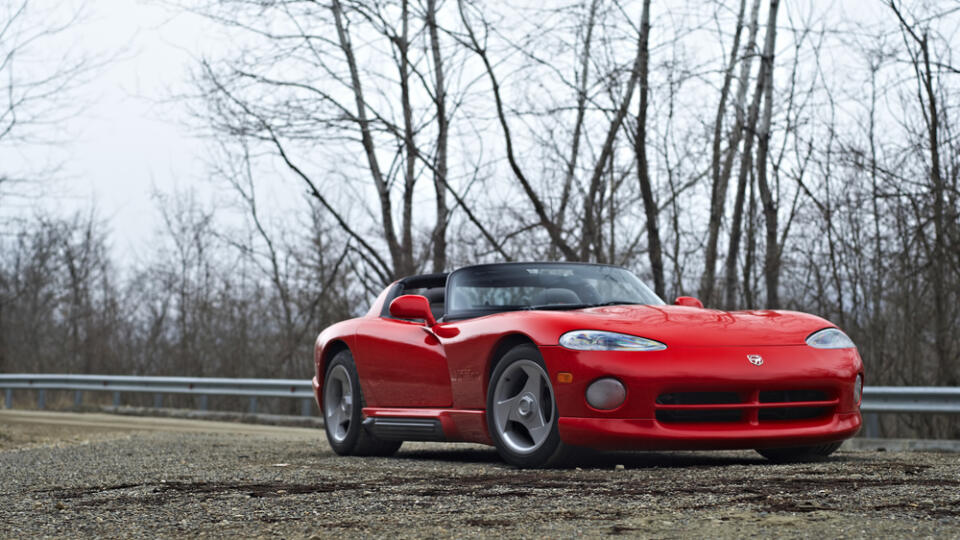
(401, 364)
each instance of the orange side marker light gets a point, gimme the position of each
(564, 377)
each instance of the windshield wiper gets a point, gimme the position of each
(558, 306)
(579, 306)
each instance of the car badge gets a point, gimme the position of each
(755, 359)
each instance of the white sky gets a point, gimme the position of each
(132, 137)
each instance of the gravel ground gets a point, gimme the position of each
(87, 478)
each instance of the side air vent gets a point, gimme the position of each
(405, 429)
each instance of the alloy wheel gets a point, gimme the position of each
(523, 406)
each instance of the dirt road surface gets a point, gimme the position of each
(86, 475)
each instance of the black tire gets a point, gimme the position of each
(799, 454)
(550, 449)
(344, 428)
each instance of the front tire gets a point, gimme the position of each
(343, 412)
(799, 454)
(522, 411)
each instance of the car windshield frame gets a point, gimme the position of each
(558, 286)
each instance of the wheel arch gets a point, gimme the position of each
(502, 347)
(329, 351)
(322, 356)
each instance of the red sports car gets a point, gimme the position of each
(538, 358)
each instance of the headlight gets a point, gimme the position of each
(830, 338)
(598, 340)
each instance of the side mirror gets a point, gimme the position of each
(688, 301)
(412, 306)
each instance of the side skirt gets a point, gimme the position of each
(405, 429)
(450, 425)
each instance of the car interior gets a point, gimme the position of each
(432, 286)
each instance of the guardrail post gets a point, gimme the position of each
(8, 398)
(306, 407)
(41, 398)
(157, 401)
(78, 398)
(116, 399)
(872, 422)
(203, 402)
(253, 404)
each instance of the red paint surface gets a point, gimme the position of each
(409, 369)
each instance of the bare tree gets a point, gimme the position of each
(720, 180)
(344, 96)
(771, 265)
(440, 169)
(643, 169)
(746, 158)
(917, 44)
(37, 88)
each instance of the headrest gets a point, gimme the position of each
(435, 295)
(555, 296)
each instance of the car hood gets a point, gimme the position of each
(695, 327)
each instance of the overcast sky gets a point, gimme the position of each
(135, 137)
(130, 136)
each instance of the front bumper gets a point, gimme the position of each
(709, 398)
(648, 434)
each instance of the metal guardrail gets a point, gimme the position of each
(876, 399)
(160, 386)
(921, 399)
(905, 399)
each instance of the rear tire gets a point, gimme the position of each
(522, 410)
(343, 412)
(799, 454)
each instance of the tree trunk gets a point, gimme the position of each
(3, 330)
(410, 146)
(771, 265)
(591, 222)
(747, 127)
(556, 235)
(718, 195)
(750, 255)
(440, 164)
(583, 78)
(366, 138)
(654, 249)
(943, 333)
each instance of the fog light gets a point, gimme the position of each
(857, 389)
(605, 394)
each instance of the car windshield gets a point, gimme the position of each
(481, 290)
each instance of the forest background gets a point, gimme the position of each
(754, 153)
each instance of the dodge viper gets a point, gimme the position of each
(537, 359)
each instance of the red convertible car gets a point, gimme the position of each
(539, 358)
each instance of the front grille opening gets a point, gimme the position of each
(792, 413)
(692, 416)
(698, 398)
(789, 396)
